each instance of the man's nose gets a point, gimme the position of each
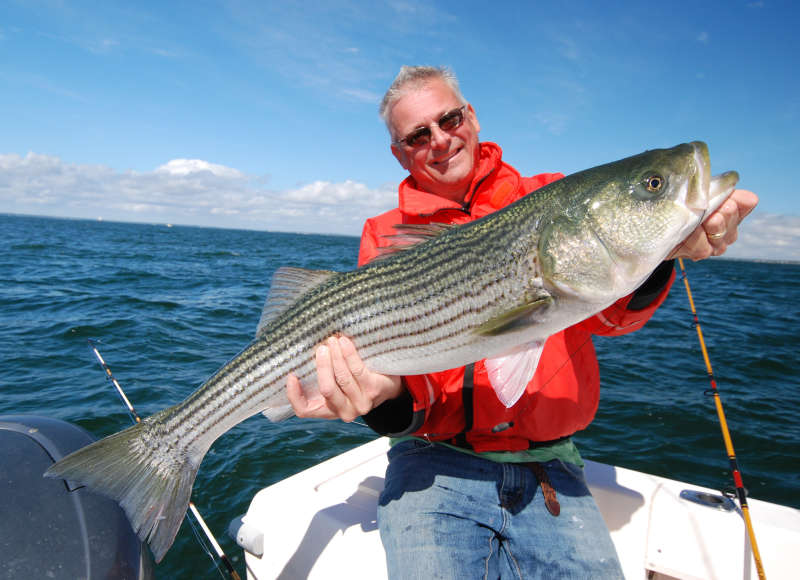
(439, 139)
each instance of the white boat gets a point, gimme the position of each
(321, 523)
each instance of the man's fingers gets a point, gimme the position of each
(695, 247)
(720, 230)
(295, 394)
(335, 382)
(347, 388)
(355, 365)
(722, 227)
(746, 202)
(341, 372)
(359, 380)
(325, 379)
(716, 226)
(302, 407)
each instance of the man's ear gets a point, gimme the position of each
(401, 156)
(473, 118)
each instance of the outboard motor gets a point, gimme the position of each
(50, 528)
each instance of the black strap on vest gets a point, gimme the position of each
(467, 400)
(467, 392)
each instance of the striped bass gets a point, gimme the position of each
(495, 288)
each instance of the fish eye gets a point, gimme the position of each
(654, 183)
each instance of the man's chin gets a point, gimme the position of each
(453, 176)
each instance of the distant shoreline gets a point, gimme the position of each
(172, 224)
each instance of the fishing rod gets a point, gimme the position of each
(726, 435)
(192, 508)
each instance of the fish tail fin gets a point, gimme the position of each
(151, 482)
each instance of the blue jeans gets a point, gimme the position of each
(446, 514)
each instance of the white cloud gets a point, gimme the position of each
(767, 236)
(361, 95)
(325, 192)
(103, 45)
(166, 52)
(188, 166)
(184, 191)
(89, 42)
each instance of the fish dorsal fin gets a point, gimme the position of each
(514, 319)
(408, 236)
(509, 374)
(288, 284)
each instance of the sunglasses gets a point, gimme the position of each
(450, 121)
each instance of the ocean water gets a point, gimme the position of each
(167, 306)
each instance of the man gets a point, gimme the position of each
(474, 489)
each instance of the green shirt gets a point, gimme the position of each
(564, 450)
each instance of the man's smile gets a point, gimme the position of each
(447, 157)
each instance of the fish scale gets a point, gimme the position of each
(495, 287)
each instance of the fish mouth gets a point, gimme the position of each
(706, 193)
(720, 188)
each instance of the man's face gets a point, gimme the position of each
(446, 165)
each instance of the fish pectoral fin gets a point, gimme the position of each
(513, 319)
(510, 373)
(288, 284)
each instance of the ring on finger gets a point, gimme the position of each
(717, 236)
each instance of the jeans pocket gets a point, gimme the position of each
(567, 477)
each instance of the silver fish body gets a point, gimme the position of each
(471, 292)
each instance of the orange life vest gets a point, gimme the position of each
(563, 395)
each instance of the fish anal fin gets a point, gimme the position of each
(288, 284)
(279, 413)
(509, 374)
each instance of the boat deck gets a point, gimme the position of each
(323, 521)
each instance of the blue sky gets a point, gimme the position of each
(263, 115)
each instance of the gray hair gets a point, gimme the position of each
(411, 77)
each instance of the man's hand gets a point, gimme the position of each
(715, 234)
(348, 388)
